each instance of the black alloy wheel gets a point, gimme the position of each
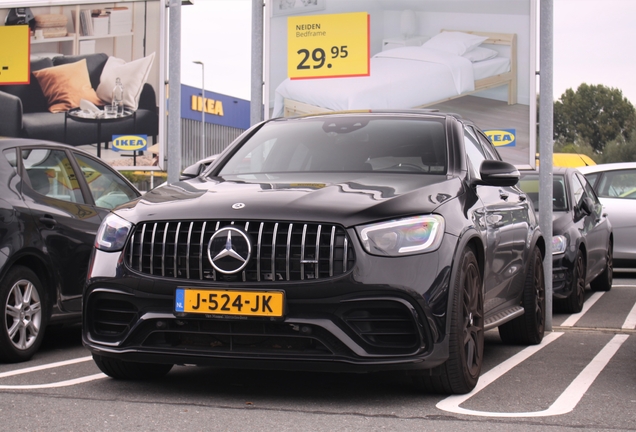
(573, 303)
(528, 329)
(603, 282)
(460, 373)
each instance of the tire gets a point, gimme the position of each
(574, 302)
(459, 374)
(528, 329)
(125, 370)
(603, 282)
(23, 315)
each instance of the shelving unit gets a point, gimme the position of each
(112, 44)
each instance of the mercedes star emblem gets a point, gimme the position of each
(229, 250)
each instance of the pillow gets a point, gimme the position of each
(133, 76)
(64, 86)
(480, 54)
(457, 43)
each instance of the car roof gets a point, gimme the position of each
(385, 112)
(607, 167)
(6, 142)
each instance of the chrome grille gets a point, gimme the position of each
(281, 251)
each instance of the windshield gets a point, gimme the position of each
(345, 144)
(529, 184)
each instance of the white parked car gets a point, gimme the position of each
(615, 185)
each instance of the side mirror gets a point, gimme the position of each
(587, 206)
(498, 173)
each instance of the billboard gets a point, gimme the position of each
(69, 58)
(475, 58)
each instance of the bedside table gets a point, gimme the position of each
(400, 42)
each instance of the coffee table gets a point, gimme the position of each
(77, 114)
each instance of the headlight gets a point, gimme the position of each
(404, 236)
(559, 244)
(112, 233)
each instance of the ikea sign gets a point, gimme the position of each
(502, 137)
(130, 142)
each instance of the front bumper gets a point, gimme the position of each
(386, 313)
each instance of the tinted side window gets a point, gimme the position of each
(107, 188)
(474, 151)
(618, 184)
(50, 173)
(10, 154)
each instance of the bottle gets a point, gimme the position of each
(118, 97)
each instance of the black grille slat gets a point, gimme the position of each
(281, 251)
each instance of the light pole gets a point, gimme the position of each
(202, 107)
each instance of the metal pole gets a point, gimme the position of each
(174, 104)
(546, 112)
(256, 99)
(202, 107)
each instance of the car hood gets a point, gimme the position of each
(347, 199)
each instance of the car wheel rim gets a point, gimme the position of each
(610, 264)
(580, 279)
(23, 314)
(473, 320)
(539, 292)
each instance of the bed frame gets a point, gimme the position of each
(293, 107)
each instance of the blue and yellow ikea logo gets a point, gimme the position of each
(502, 137)
(130, 142)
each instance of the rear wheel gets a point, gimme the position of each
(125, 370)
(23, 314)
(466, 342)
(574, 302)
(603, 282)
(528, 329)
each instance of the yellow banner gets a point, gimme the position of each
(328, 46)
(14, 54)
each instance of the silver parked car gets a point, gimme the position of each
(615, 185)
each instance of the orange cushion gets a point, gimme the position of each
(64, 86)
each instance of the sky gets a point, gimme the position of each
(594, 43)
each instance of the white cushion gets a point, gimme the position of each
(480, 54)
(457, 43)
(133, 76)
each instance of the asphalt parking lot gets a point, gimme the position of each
(581, 377)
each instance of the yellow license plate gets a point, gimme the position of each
(230, 302)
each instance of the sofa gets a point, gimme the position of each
(24, 109)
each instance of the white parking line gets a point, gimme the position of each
(55, 384)
(49, 366)
(45, 366)
(630, 322)
(572, 319)
(565, 403)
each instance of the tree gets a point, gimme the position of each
(594, 113)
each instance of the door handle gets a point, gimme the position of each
(503, 195)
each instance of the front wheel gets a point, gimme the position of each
(459, 374)
(126, 370)
(23, 314)
(573, 303)
(528, 329)
(603, 282)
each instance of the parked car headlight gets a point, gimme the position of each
(559, 244)
(112, 233)
(403, 236)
